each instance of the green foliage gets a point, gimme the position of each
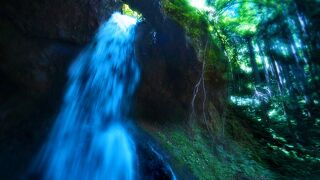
(129, 12)
(243, 16)
(272, 49)
(193, 20)
(210, 160)
(197, 27)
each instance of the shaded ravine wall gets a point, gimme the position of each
(172, 65)
(38, 41)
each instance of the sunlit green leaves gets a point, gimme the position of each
(129, 12)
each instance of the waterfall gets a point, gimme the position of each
(89, 139)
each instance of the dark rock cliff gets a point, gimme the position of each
(39, 39)
(170, 70)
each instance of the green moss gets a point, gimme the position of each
(129, 12)
(208, 160)
(190, 18)
(197, 27)
(193, 153)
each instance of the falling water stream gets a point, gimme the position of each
(89, 139)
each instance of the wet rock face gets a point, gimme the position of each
(69, 20)
(152, 161)
(40, 37)
(38, 40)
(170, 70)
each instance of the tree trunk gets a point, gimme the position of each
(253, 63)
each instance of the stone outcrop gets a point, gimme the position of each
(38, 41)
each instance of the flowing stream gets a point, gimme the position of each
(89, 139)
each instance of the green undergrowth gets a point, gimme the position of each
(208, 157)
(286, 159)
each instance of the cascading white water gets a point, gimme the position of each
(89, 140)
